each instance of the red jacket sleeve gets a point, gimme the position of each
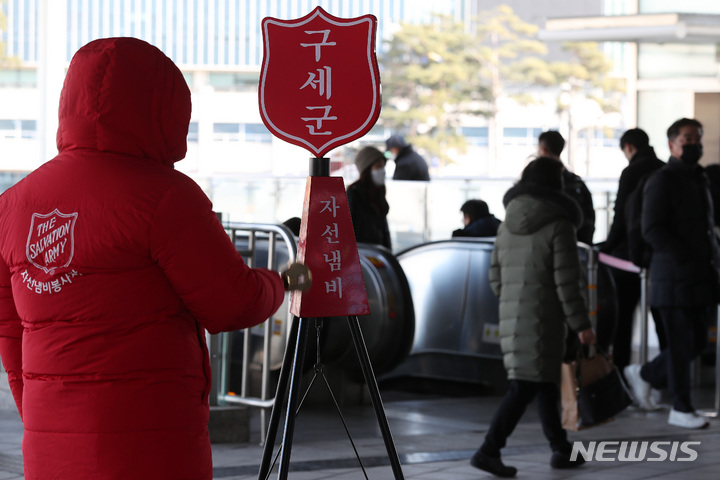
(10, 337)
(203, 266)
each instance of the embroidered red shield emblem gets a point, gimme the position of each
(319, 82)
(51, 241)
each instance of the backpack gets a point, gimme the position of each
(639, 251)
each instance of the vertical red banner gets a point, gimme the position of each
(328, 248)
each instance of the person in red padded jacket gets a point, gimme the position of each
(112, 266)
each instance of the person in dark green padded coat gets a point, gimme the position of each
(535, 272)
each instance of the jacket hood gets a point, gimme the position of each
(530, 207)
(123, 95)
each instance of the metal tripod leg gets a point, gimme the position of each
(293, 399)
(372, 386)
(292, 364)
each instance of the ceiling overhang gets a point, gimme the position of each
(650, 28)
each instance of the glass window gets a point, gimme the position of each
(474, 131)
(226, 128)
(677, 60)
(8, 179)
(475, 135)
(9, 128)
(222, 81)
(28, 128)
(686, 6)
(189, 77)
(192, 132)
(258, 133)
(612, 136)
(226, 132)
(378, 133)
(515, 132)
(18, 78)
(518, 136)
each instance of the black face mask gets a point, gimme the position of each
(692, 153)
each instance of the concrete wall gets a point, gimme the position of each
(707, 111)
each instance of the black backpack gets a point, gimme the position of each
(639, 251)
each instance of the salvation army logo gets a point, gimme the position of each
(319, 81)
(51, 243)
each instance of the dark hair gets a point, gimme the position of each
(294, 225)
(552, 141)
(475, 209)
(674, 130)
(635, 137)
(544, 172)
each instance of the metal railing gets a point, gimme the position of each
(219, 345)
(628, 266)
(592, 273)
(420, 212)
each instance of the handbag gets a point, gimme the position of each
(592, 391)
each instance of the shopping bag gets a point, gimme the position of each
(592, 391)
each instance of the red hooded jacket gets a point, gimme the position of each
(112, 264)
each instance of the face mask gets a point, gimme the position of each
(692, 153)
(378, 176)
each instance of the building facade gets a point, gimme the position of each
(216, 43)
(218, 46)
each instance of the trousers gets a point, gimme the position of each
(686, 334)
(628, 295)
(512, 408)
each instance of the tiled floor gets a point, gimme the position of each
(435, 435)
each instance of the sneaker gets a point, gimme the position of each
(562, 460)
(640, 388)
(492, 465)
(686, 419)
(656, 398)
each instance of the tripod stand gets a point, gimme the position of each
(289, 384)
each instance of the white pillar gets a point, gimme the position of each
(52, 44)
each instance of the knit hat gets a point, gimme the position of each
(366, 157)
(395, 141)
(545, 172)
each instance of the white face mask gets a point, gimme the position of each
(378, 176)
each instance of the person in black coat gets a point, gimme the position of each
(478, 220)
(678, 221)
(366, 199)
(635, 145)
(551, 144)
(409, 165)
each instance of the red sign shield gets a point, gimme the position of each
(51, 240)
(319, 83)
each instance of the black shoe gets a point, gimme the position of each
(492, 465)
(562, 460)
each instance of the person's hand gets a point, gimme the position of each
(297, 277)
(587, 337)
